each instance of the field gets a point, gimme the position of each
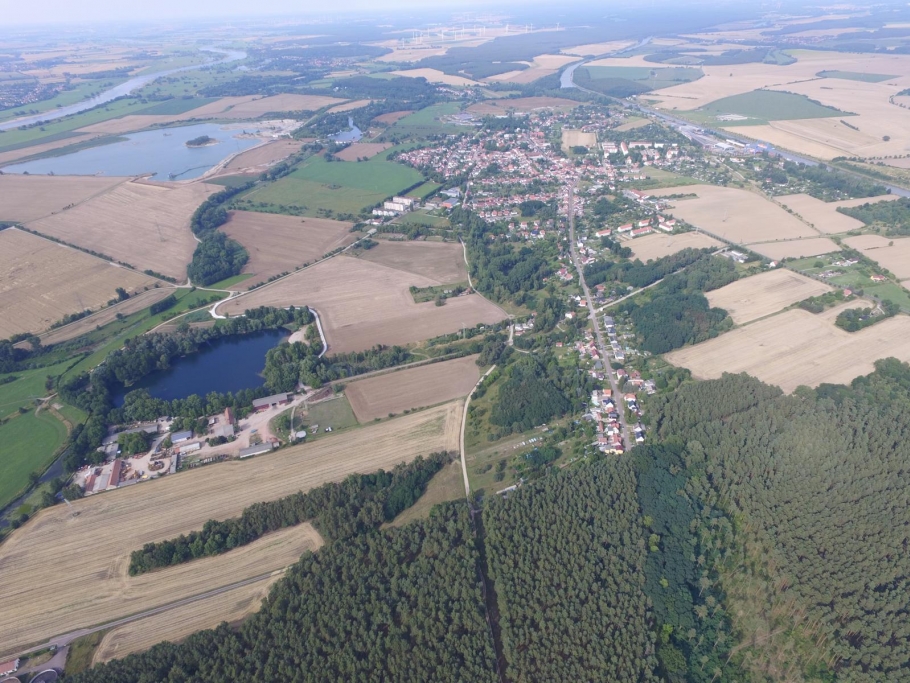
(891, 254)
(821, 215)
(362, 304)
(855, 76)
(25, 198)
(259, 158)
(277, 243)
(796, 348)
(760, 295)
(521, 104)
(359, 150)
(395, 392)
(657, 246)
(594, 49)
(322, 186)
(770, 105)
(439, 261)
(436, 76)
(446, 485)
(393, 116)
(632, 124)
(736, 215)
(40, 282)
(29, 443)
(653, 77)
(811, 246)
(577, 138)
(427, 121)
(38, 601)
(143, 224)
(348, 106)
(540, 66)
(180, 622)
(254, 107)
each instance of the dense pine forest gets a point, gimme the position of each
(757, 537)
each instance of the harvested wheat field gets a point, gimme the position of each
(131, 123)
(521, 104)
(632, 125)
(439, 261)
(821, 215)
(135, 303)
(176, 624)
(810, 246)
(851, 203)
(26, 198)
(38, 601)
(735, 215)
(277, 243)
(349, 106)
(797, 347)
(427, 385)
(577, 138)
(542, 65)
(40, 282)
(393, 116)
(254, 107)
(760, 295)
(594, 49)
(362, 304)
(657, 246)
(895, 258)
(435, 76)
(146, 225)
(263, 156)
(361, 150)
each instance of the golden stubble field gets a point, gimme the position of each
(798, 348)
(261, 157)
(822, 215)
(362, 304)
(760, 295)
(427, 385)
(144, 224)
(890, 253)
(800, 248)
(178, 623)
(278, 243)
(436, 76)
(40, 282)
(658, 245)
(25, 198)
(735, 215)
(61, 572)
(577, 138)
(362, 150)
(439, 261)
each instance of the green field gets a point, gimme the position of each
(324, 187)
(762, 106)
(424, 122)
(420, 218)
(652, 78)
(80, 91)
(855, 76)
(231, 281)
(424, 190)
(335, 413)
(29, 444)
(229, 180)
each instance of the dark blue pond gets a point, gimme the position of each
(228, 364)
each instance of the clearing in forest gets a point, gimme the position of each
(278, 244)
(735, 215)
(798, 348)
(890, 253)
(146, 225)
(26, 198)
(657, 245)
(41, 282)
(96, 586)
(395, 392)
(760, 295)
(362, 304)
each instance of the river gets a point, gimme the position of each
(226, 364)
(117, 91)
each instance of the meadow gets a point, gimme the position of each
(762, 106)
(30, 441)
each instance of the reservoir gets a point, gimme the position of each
(226, 364)
(162, 152)
(353, 134)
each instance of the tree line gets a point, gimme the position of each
(216, 257)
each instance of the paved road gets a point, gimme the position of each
(595, 320)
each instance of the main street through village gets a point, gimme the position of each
(628, 441)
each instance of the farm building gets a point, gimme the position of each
(114, 481)
(9, 667)
(271, 401)
(258, 449)
(178, 437)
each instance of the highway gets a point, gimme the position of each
(595, 321)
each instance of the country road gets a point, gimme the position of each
(598, 335)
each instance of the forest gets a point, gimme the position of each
(638, 274)
(855, 319)
(893, 216)
(337, 509)
(216, 256)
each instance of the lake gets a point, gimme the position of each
(353, 134)
(162, 152)
(222, 365)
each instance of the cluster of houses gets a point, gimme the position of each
(606, 417)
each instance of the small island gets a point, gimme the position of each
(201, 141)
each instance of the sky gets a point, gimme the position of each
(18, 12)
